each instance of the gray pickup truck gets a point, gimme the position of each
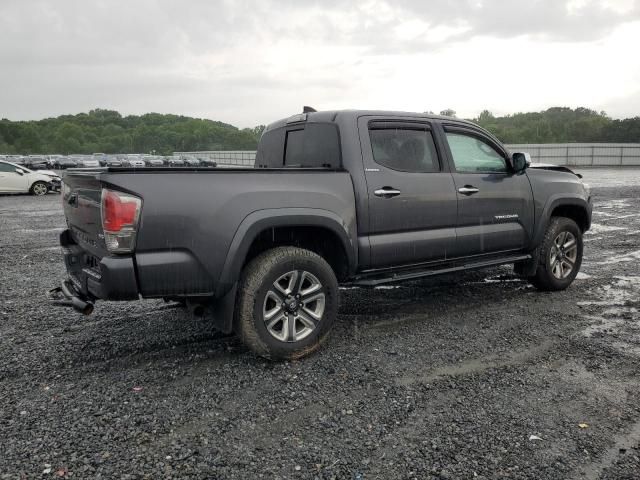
(335, 197)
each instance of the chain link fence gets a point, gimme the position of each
(224, 158)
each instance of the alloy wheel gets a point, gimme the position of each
(293, 306)
(563, 255)
(40, 189)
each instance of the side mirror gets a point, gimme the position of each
(19, 172)
(520, 161)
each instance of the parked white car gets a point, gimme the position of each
(18, 179)
(134, 162)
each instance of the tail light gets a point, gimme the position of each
(120, 217)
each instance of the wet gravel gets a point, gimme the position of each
(462, 377)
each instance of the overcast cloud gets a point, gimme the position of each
(250, 62)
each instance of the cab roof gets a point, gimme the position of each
(332, 116)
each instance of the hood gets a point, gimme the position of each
(48, 173)
(556, 168)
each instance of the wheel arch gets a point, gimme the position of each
(318, 230)
(574, 207)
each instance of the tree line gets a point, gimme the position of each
(107, 131)
(559, 125)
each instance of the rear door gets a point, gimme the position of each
(495, 205)
(10, 180)
(411, 195)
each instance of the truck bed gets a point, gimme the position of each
(189, 220)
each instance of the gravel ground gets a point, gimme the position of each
(440, 378)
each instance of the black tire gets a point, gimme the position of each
(258, 281)
(39, 188)
(546, 277)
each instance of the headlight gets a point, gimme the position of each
(587, 188)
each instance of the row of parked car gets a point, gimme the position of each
(61, 162)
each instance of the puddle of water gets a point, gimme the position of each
(619, 311)
(476, 365)
(621, 217)
(41, 230)
(597, 228)
(40, 213)
(503, 280)
(628, 280)
(603, 325)
(627, 257)
(617, 203)
(622, 290)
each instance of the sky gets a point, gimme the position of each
(251, 62)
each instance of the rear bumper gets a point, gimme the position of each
(161, 274)
(109, 278)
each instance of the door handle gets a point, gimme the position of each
(468, 190)
(387, 192)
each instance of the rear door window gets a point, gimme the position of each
(405, 149)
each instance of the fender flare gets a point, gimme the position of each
(255, 223)
(553, 202)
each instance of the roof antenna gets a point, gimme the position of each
(307, 109)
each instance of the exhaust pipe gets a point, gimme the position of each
(81, 306)
(66, 296)
(196, 309)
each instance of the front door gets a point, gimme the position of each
(411, 195)
(495, 205)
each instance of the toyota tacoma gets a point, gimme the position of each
(335, 197)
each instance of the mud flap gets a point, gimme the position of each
(528, 268)
(222, 310)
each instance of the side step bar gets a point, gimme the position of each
(377, 278)
(66, 295)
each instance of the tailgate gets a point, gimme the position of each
(81, 200)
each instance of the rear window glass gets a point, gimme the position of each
(314, 145)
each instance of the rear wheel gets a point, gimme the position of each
(287, 303)
(560, 255)
(39, 189)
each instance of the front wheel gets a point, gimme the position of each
(287, 303)
(38, 189)
(560, 255)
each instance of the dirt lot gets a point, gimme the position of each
(442, 378)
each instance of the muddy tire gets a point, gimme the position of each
(38, 189)
(560, 255)
(287, 303)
